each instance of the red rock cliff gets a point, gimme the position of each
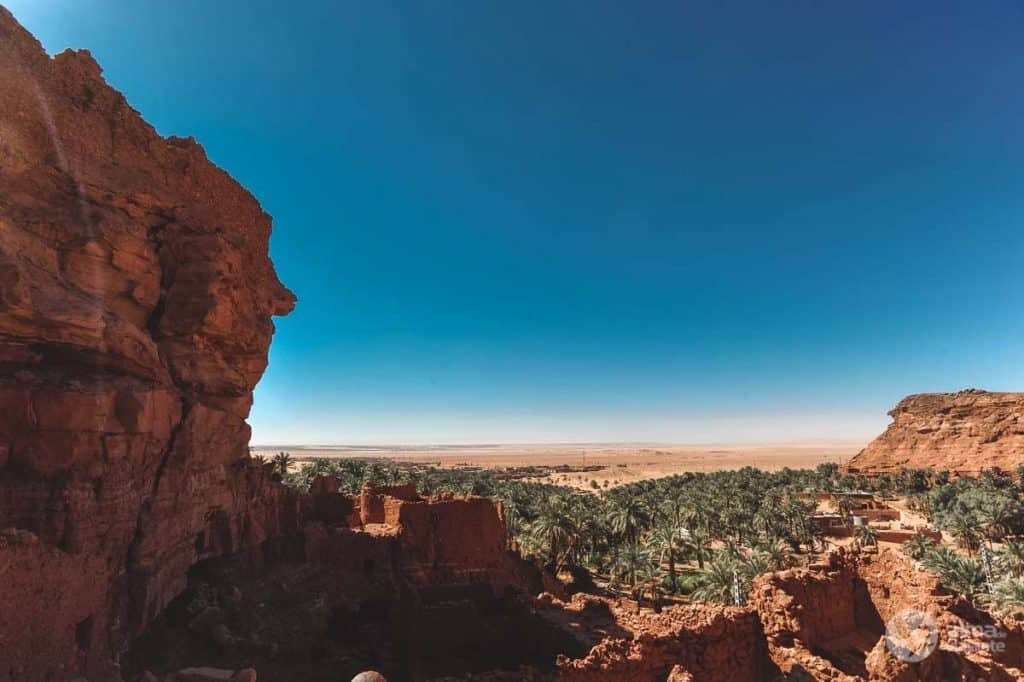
(966, 432)
(136, 296)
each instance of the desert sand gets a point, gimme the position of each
(618, 462)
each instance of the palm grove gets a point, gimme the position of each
(706, 536)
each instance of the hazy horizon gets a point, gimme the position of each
(438, 445)
(549, 222)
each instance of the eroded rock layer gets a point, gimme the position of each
(136, 296)
(832, 622)
(826, 623)
(964, 432)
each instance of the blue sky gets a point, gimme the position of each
(595, 221)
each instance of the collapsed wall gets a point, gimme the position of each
(136, 297)
(965, 433)
(388, 580)
(706, 642)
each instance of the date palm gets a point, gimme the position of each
(867, 535)
(717, 583)
(667, 539)
(960, 574)
(1012, 557)
(967, 532)
(554, 529)
(283, 460)
(997, 515)
(628, 516)
(631, 563)
(1008, 596)
(776, 554)
(918, 546)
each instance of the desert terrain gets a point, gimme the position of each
(580, 463)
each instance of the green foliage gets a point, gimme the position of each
(1008, 596)
(918, 546)
(866, 535)
(705, 534)
(960, 574)
(282, 461)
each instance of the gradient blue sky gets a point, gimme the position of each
(595, 221)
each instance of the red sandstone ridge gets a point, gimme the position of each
(136, 296)
(963, 432)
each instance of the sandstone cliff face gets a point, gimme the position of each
(964, 432)
(136, 296)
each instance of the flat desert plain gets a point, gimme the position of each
(618, 463)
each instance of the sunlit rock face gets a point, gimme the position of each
(136, 297)
(964, 432)
(831, 622)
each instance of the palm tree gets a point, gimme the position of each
(631, 564)
(940, 560)
(553, 528)
(628, 516)
(963, 575)
(867, 535)
(718, 581)
(663, 539)
(701, 545)
(776, 554)
(1008, 596)
(755, 564)
(997, 515)
(965, 529)
(843, 505)
(1012, 557)
(918, 546)
(514, 524)
(282, 460)
(968, 578)
(651, 582)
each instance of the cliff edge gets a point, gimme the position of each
(965, 432)
(136, 296)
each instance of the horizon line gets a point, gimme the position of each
(805, 442)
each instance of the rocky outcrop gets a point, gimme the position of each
(707, 642)
(136, 296)
(842, 620)
(965, 432)
(831, 622)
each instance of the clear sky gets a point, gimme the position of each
(597, 221)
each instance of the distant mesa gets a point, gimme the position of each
(964, 433)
